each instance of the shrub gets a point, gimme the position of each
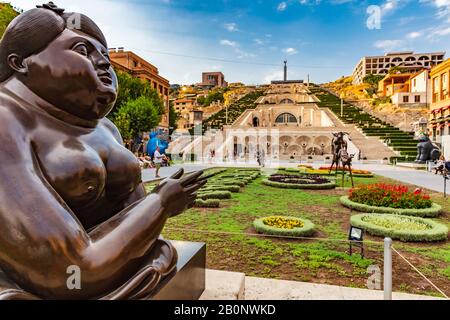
(284, 226)
(392, 196)
(214, 195)
(232, 182)
(328, 185)
(231, 188)
(433, 211)
(209, 203)
(400, 227)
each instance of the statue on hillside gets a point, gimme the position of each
(71, 196)
(426, 150)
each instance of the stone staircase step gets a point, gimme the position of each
(224, 285)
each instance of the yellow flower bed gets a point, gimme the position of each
(283, 223)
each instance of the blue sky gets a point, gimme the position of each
(249, 39)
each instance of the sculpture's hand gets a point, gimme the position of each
(178, 194)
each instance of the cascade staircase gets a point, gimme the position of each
(403, 143)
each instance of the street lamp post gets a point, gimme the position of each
(226, 114)
(342, 104)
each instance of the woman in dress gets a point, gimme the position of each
(70, 193)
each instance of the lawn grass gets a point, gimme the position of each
(232, 244)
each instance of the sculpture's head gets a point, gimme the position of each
(61, 57)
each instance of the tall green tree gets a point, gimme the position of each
(137, 116)
(133, 88)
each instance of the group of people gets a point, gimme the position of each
(442, 166)
(159, 160)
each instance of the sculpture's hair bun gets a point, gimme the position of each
(51, 6)
(33, 30)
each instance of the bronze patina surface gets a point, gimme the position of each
(70, 193)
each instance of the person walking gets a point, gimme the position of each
(158, 159)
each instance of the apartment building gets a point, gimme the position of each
(213, 79)
(380, 65)
(131, 63)
(439, 123)
(406, 89)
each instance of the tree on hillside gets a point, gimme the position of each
(173, 117)
(7, 14)
(131, 89)
(137, 116)
(373, 79)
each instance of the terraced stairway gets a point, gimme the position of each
(400, 141)
(218, 120)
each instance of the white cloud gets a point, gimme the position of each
(389, 45)
(290, 51)
(282, 6)
(232, 27)
(258, 41)
(228, 43)
(273, 75)
(414, 35)
(440, 32)
(443, 7)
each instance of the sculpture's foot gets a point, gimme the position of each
(160, 263)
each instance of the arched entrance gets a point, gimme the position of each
(286, 118)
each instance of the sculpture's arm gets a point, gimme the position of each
(40, 238)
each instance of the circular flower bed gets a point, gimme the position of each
(299, 182)
(431, 212)
(284, 226)
(397, 199)
(400, 227)
(355, 172)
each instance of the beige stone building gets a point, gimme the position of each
(131, 63)
(380, 65)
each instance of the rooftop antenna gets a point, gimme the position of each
(285, 70)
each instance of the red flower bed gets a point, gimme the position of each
(393, 196)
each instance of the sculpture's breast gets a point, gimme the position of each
(75, 171)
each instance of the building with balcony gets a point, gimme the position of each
(380, 65)
(440, 106)
(131, 63)
(406, 89)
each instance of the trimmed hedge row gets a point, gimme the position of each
(231, 188)
(436, 231)
(428, 212)
(306, 230)
(214, 195)
(209, 203)
(329, 185)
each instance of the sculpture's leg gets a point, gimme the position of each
(351, 175)
(160, 263)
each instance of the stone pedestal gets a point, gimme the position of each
(188, 283)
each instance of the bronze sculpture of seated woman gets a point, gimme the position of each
(71, 194)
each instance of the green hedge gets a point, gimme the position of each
(428, 212)
(329, 185)
(306, 230)
(209, 203)
(214, 195)
(436, 231)
(231, 188)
